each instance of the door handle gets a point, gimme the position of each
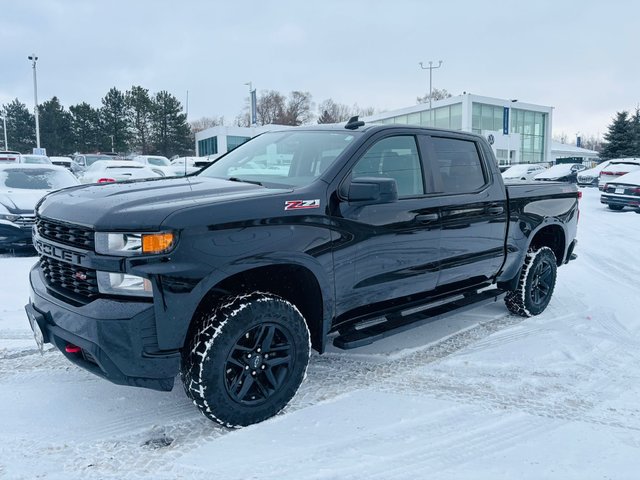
(427, 217)
(495, 210)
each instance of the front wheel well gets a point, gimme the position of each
(294, 283)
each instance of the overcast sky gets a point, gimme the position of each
(581, 57)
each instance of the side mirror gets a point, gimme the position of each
(371, 190)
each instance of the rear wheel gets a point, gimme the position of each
(616, 207)
(536, 284)
(246, 359)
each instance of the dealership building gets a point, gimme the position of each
(518, 132)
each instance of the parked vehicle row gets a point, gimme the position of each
(622, 192)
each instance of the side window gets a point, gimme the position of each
(397, 158)
(459, 164)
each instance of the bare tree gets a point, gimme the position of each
(562, 138)
(436, 94)
(270, 107)
(363, 111)
(298, 109)
(205, 122)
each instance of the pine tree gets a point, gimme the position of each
(635, 133)
(85, 128)
(141, 106)
(21, 127)
(55, 128)
(619, 138)
(170, 131)
(115, 116)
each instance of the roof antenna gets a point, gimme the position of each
(354, 123)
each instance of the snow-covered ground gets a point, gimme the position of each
(482, 395)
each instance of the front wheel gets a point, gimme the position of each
(536, 284)
(616, 207)
(246, 359)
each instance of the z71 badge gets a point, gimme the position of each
(301, 204)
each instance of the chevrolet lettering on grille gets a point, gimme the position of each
(57, 252)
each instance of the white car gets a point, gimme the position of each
(37, 159)
(186, 165)
(589, 178)
(157, 163)
(622, 192)
(522, 172)
(21, 188)
(107, 171)
(67, 163)
(564, 172)
(616, 168)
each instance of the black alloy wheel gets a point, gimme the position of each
(259, 364)
(535, 285)
(542, 281)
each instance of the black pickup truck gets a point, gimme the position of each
(296, 238)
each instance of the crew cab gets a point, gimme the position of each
(297, 238)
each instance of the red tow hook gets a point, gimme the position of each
(71, 348)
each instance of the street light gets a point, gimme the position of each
(4, 121)
(34, 59)
(431, 68)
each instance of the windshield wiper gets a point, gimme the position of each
(236, 179)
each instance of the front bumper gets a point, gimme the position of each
(12, 235)
(117, 339)
(621, 200)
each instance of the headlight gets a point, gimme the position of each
(123, 284)
(134, 243)
(9, 217)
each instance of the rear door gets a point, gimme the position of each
(473, 211)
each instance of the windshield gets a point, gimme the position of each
(91, 159)
(291, 158)
(34, 159)
(159, 161)
(36, 179)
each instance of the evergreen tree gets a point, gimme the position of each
(85, 128)
(21, 127)
(635, 133)
(619, 138)
(55, 128)
(170, 131)
(140, 105)
(115, 116)
(332, 112)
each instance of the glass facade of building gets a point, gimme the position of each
(486, 117)
(208, 146)
(233, 141)
(531, 126)
(443, 117)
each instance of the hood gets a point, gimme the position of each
(21, 201)
(142, 204)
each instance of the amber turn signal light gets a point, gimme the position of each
(156, 242)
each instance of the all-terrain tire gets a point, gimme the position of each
(536, 284)
(246, 359)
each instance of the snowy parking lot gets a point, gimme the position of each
(481, 395)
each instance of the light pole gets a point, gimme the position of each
(4, 122)
(431, 68)
(253, 102)
(34, 59)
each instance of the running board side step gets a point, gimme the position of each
(395, 323)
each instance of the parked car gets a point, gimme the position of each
(590, 177)
(565, 172)
(187, 165)
(232, 279)
(9, 156)
(106, 171)
(67, 163)
(622, 192)
(522, 172)
(21, 188)
(157, 163)
(616, 168)
(87, 159)
(36, 159)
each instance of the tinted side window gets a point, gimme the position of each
(397, 158)
(459, 165)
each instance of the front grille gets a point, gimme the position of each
(73, 235)
(69, 278)
(26, 221)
